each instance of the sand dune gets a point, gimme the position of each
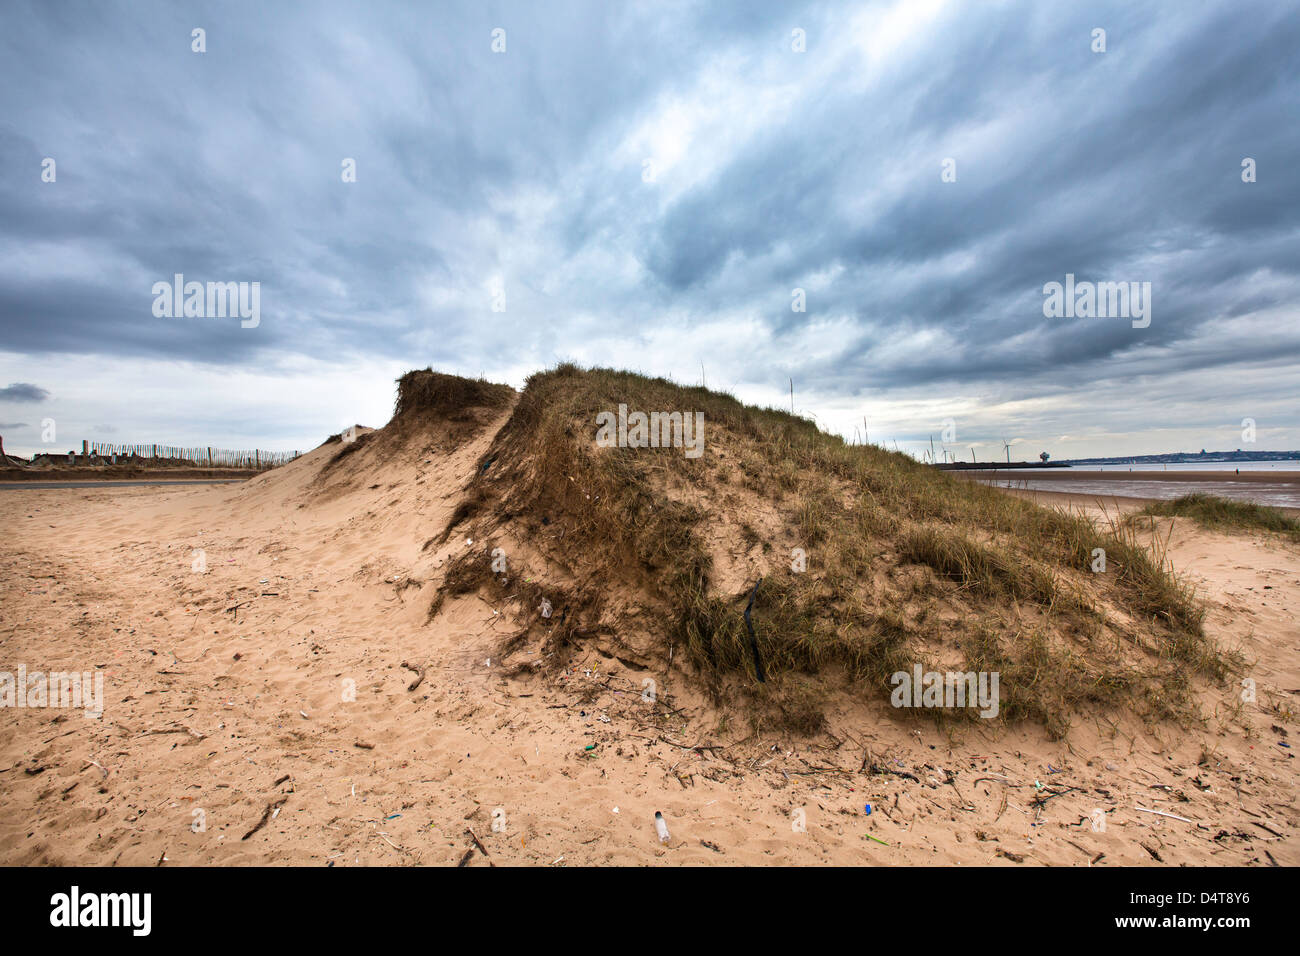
(228, 703)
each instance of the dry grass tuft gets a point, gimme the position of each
(1224, 514)
(427, 390)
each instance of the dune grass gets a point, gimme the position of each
(907, 564)
(1224, 514)
(427, 390)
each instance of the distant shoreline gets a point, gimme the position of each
(120, 474)
(115, 483)
(1072, 474)
(1213, 458)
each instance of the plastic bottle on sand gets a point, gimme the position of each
(661, 828)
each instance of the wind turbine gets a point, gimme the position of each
(1007, 447)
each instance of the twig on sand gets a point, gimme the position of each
(1161, 813)
(672, 710)
(475, 838)
(1085, 852)
(814, 768)
(481, 848)
(999, 780)
(1039, 801)
(673, 743)
(876, 768)
(234, 609)
(418, 671)
(266, 815)
(392, 844)
(175, 730)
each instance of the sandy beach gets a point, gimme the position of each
(286, 699)
(624, 435)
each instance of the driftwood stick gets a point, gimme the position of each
(418, 671)
(876, 768)
(1000, 780)
(481, 848)
(266, 815)
(1161, 813)
(674, 743)
(1039, 801)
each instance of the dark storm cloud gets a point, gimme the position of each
(1105, 175)
(780, 170)
(23, 392)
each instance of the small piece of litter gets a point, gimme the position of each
(661, 827)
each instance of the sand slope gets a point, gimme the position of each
(225, 694)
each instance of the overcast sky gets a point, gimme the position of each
(644, 185)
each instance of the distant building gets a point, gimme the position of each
(66, 458)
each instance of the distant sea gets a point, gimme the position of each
(1293, 465)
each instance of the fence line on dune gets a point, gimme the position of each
(202, 456)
